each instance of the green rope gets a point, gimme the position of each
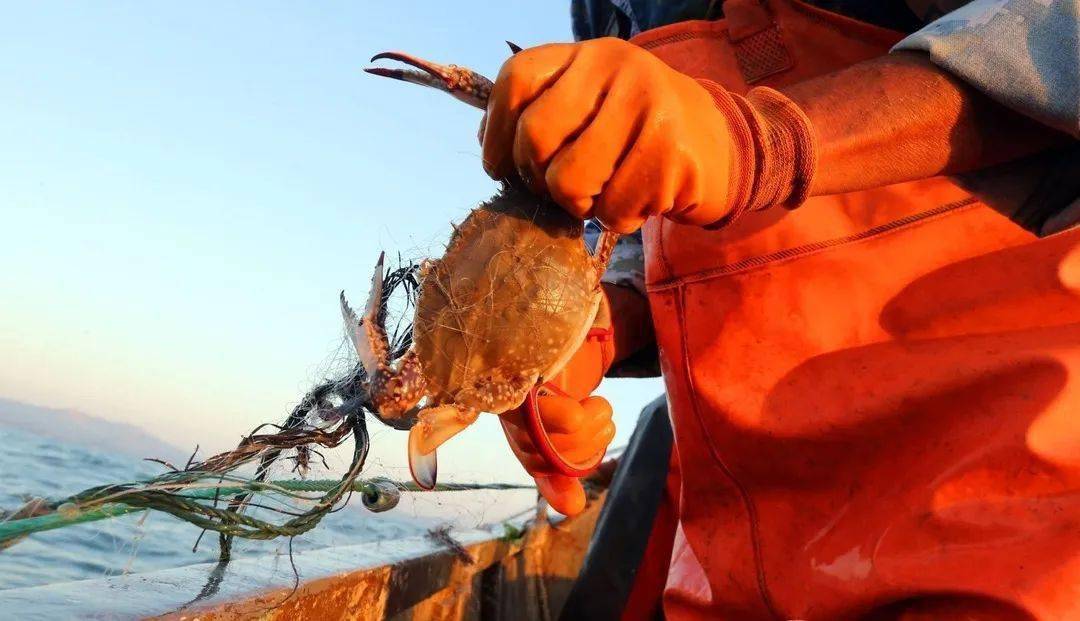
(116, 500)
(207, 494)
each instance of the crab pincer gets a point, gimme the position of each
(396, 391)
(463, 84)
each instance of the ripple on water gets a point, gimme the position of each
(36, 466)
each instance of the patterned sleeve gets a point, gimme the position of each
(627, 266)
(1025, 55)
(627, 269)
(1022, 53)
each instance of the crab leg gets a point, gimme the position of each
(605, 245)
(393, 392)
(474, 89)
(463, 84)
(434, 426)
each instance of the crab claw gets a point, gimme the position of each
(464, 84)
(424, 467)
(434, 426)
(365, 333)
(393, 393)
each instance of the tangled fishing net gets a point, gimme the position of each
(214, 495)
(514, 290)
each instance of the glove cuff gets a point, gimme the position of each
(774, 152)
(787, 149)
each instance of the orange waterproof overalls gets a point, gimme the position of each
(875, 397)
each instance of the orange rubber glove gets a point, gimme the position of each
(578, 424)
(611, 132)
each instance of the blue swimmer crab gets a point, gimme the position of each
(506, 306)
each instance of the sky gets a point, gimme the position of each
(185, 187)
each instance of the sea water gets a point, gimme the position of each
(31, 465)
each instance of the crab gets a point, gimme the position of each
(506, 306)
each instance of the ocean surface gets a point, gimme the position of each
(32, 465)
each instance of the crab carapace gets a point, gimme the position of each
(506, 306)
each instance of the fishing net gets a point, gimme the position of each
(230, 493)
(513, 293)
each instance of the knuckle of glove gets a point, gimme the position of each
(564, 190)
(518, 71)
(613, 48)
(530, 141)
(620, 210)
(524, 71)
(621, 223)
(561, 414)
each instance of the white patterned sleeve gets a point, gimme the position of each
(1025, 54)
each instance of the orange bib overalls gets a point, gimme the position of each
(875, 397)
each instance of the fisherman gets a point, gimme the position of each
(859, 273)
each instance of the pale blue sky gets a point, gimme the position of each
(185, 187)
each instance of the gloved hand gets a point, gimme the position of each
(579, 425)
(612, 132)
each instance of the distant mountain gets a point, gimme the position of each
(78, 428)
